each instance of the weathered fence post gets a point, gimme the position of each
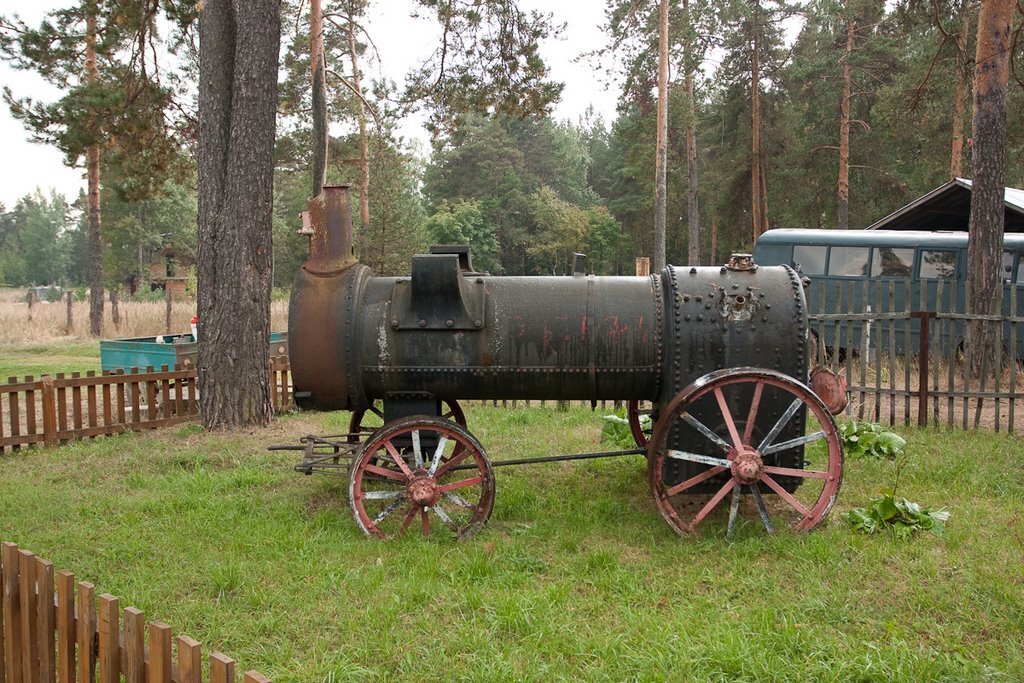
(167, 298)
(11, 598)
(115, 307)
(71, 313)
(922, 363)
(31, 303)
(49, 412)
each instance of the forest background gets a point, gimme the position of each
(502, 174)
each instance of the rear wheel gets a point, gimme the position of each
(748, 445)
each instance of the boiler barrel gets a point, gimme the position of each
(473, 337)
(355, 338)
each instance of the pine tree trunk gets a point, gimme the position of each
(661, 150)
(843, 204)
(963, 77)
(364, 145)
(318, 81)
(92, 166)
(755, 129)
(237, 108)
(692, 207)
(984, 252)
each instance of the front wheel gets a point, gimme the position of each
(424, 473)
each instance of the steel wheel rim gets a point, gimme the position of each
(742, 474)
(451, 410)
(448, 487)
(641, 436)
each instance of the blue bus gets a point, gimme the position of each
(860, 272)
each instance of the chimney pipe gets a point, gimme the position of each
(330, 246)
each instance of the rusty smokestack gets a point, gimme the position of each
(331, 245)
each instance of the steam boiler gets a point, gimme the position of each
(711, 360)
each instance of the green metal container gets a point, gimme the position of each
(170, 350)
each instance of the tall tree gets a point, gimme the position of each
(92, 173)
(318, 88)
(984, 250)
(238, 62)
(661, 153)
(843, 205)
(692, 207)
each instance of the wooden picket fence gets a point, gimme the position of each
(52, 410)
(48, 634)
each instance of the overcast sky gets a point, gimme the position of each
(403, 43)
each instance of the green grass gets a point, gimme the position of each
(575, 578)
(37, 359)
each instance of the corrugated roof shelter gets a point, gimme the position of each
(948, 207)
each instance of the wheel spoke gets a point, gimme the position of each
(399, 460)
(417, 454)
(761, 509)
(786, 495)
(700, 427)
(693, 481)
(441, 443)
(386, 512)
(715, 500)
(408, 519)
(697, 457)
(443, 516)
(460, 501)
(461, 484)
(792, 472)
(456, 458)
(425, 516)
(386, 473)
(780, 423)
(755, 403)
(734, 510)
(727, 415)
(383, 495)
(793, 443)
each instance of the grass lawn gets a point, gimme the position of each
(575, 578)
(39, 358)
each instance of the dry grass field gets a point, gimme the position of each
(45, 345)
(48, 322)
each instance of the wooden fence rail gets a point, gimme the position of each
(52, 410)
(53, 629)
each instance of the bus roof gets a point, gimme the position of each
(881, 238)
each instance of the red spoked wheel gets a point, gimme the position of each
(368, 420)
(422, 473)
(743, 431)
(641, 415)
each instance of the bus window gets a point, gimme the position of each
(889, 262)
(1020, 271)
(848, 261)
(938, 264)
(809, 260)
(1007, 272)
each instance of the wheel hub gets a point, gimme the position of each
(423, 490)
(747, 466)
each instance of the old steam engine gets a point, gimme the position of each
(712, 361)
